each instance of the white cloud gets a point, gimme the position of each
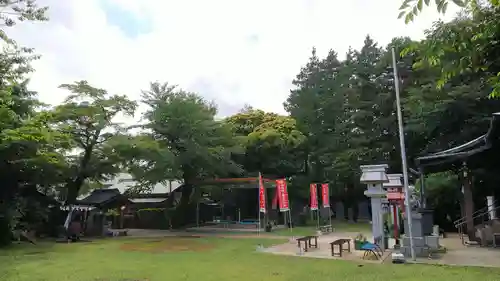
(234, 52)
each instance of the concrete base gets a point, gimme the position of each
(423, 245)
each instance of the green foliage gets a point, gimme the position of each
(87, 117)
(182, 139)
(346, 109)
(155, 217)
(13, 11)
(273, 144)
(151, 210)
(409, 9)
(342, 115)
(112, 213)
(443, 195)
(468, 44)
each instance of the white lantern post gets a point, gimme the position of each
(374, 176)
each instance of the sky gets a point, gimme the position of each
(233, 52)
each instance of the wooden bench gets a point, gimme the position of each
(307, 242)
(326, 228)
(340, 243)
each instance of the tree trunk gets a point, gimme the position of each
(469, 205)
(74, 186)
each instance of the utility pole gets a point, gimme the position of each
(403, 154)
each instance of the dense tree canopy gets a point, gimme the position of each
(273, 144)
(468, 44)
(341, 115)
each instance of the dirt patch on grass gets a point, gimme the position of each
(124, 280)
(168, 244)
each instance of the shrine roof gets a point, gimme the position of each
(479, 152)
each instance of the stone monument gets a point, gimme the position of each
(374, 176)
(424, 240)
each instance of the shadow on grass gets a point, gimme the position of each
(28, 249)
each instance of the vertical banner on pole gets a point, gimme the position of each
(325, 195)
(262, 196)
(283, 199)
(325, 199)
(282, 195)
(314, 197)
(262, 199)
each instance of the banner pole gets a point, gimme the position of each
(330, 213)
(258, 204)
(317, 214)
(258, 228)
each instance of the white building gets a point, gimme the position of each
(124, 181)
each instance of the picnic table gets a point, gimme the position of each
(307, 242)
(340, 244)
(326, 228)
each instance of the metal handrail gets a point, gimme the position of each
(476, 216)
(460, 225)
(484, 210)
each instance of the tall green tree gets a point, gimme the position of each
(273, 144)
(182, 141)
(88, 115)
(29, 147)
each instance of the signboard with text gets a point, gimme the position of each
(325, 195)
(314, 196)
(282, 195)
(262, 196)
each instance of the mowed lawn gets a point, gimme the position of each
(205, 259)
(338, 225)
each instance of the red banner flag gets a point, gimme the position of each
(262, 195)
(325, 195)
(314, 196)
(282, 195)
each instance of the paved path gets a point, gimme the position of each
(460, 255)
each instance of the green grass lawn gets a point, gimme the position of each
(338, 225)
(203, 259)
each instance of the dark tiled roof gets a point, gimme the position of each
(101, 196)
(148, 195)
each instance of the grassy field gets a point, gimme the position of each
(204, 259)
(339, 226)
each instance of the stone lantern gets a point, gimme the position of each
(374, 176)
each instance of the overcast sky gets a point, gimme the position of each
(234, 52)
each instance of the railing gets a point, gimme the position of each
(460, 222)
(483, 211)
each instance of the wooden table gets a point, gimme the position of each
(340, 243)
(307, 242)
